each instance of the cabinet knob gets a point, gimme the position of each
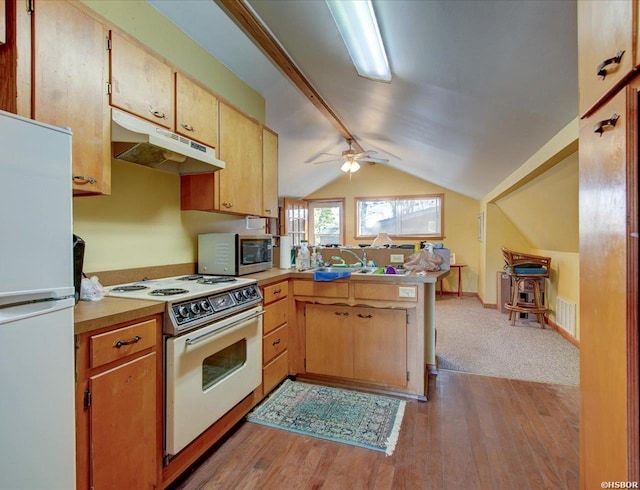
(277, 291)
(601, 67)
(360, 315)
(268, 211)
(342, 313)
(83, 179)
(227, 204)
(187, 127)
(611, 122)
(275, 342)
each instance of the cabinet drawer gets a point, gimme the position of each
(275, 315)
(332, 289)
(275, 343)
(274, 372)
(388, 292)
(275, 292)
(120, 343)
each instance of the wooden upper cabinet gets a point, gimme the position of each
(141, 83)
(269, 173)
(240, 182)
(69, 74)
(196, 112)
(608, 48)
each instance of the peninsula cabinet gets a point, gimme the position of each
(269, 173)
(141, 82)
(608, 40)
(119, 406)
(196, 112)
(359, 343)
(64, 84)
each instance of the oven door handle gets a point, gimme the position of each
(202, 337)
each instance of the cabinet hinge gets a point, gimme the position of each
(108, 88)
(408, 375)
(87, 399)
(29, 6)
(305, 363)
(108, 44)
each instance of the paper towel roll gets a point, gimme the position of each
(285, 252)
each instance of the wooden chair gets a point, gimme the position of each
(526, 270)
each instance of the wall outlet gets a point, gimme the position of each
(407, 292)
(396, 258)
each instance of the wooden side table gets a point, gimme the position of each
(458, 267)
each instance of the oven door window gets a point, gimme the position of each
(218, 366)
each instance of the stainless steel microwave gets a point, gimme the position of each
(232, 254)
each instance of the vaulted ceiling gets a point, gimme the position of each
(478, 86)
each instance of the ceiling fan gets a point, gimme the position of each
(351, 159)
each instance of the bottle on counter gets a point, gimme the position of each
(314, 258)
(303, 260)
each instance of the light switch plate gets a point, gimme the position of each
(396, 258)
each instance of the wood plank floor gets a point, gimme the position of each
(475, 432)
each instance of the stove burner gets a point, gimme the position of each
(168, 292)
(132, 287)
(192, 277)
(215, 279)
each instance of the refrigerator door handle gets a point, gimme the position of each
(18, 309)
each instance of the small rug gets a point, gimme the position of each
(350, 417)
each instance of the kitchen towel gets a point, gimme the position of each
(285, 252)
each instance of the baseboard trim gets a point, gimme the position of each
(562, 332)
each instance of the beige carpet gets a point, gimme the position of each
(479, 340)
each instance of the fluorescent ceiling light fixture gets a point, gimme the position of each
(357, 24)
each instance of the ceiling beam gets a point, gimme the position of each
(246, 18)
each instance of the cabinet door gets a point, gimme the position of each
(329, 340)
(196, 112)
(123, 426)
(240, 182)
(380, 345)
(608, 291)
(141, 83)
(269, 174)
(69, 88)
(604, 30)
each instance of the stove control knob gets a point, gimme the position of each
(205, 305)
(238, 295)
(183, 311)
(247, 293)
(195, 309)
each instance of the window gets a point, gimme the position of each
(406, 216)
(326, 221)
(294, 219)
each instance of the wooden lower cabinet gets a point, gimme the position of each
(119, 406)
(360, 343)
(275, 331)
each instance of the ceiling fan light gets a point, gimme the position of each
(346, 166)
(358, 27)
(355, 166)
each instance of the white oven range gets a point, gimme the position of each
(212, 348)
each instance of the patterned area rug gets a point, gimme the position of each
(350, 417)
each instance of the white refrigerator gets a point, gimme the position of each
(37, 377)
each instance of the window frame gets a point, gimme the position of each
(429, 236)
(310, 218)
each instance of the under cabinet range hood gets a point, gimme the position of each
(138, 141)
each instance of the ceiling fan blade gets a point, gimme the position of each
(335, 160)
(373, 160)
